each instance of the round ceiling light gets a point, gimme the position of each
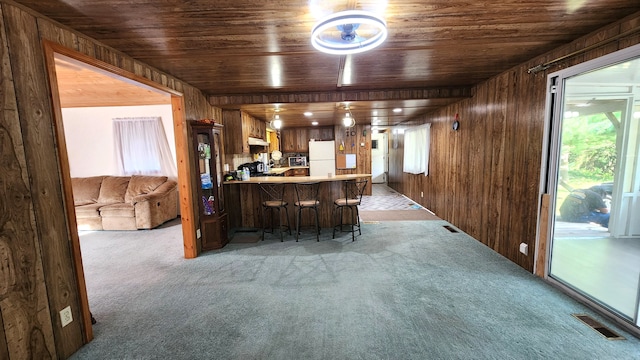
(349, 32)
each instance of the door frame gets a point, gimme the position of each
(182, 157)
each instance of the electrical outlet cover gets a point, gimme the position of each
(65, 316)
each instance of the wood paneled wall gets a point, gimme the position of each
(357, 140)
(485, 178)
(37, 277)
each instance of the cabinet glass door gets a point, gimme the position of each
(207, 201)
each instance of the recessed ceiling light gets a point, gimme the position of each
(375, 113)
(397, 110)
(314, 123)
(308, 113)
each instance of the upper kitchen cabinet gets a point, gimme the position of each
(243, 132)
(295, 140)
(255, 128)
(321, 133)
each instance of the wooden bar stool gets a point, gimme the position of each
(353, 190)
(307, 198)
(272, 196)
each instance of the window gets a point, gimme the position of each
(416, 149)
(141, 147)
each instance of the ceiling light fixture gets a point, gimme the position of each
(337, 35)
(276, 123)
(348, 120)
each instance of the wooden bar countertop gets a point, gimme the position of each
(296, 179)
(243, 201)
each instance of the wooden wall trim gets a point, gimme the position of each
(342, 95)
(185, 185)
(543, 241)
(118, 72)
(68, 196)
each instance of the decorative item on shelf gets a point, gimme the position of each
(206, 121)
(276, 155)
(204, 151)
(349, 32)
(205, 180)
(208, 210)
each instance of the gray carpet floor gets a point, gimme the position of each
(402, 290)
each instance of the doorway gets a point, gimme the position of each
(379, 157)
(133, 83)
(594, 183)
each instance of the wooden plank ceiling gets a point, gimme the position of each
(256, 55)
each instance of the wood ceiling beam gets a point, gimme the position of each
(341, 96)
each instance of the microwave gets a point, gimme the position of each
(297, 161)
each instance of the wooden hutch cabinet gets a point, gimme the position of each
(208, 170)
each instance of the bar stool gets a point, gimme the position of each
(307, 198)
(273, 199)
(353, 190)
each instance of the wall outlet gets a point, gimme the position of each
(65, 316)
(198, 234)
(524, 248)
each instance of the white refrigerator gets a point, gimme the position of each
(322, 158)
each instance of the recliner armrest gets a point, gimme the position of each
(158, 193)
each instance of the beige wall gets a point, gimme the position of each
(89, 135)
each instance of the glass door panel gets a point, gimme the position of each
(596, 232)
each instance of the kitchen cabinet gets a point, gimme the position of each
(321, 133)
(239, 127)
(288, 140)
(302, 137)
(297, 172)
(208, 172)
(255, 128)
(295, 140)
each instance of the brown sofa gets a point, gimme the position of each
(124, 202)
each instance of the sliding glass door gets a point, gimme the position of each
(595, 182)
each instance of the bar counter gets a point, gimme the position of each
(242, 198)
(296, 179)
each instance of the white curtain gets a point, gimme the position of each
(416, 149)
(141, 147)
